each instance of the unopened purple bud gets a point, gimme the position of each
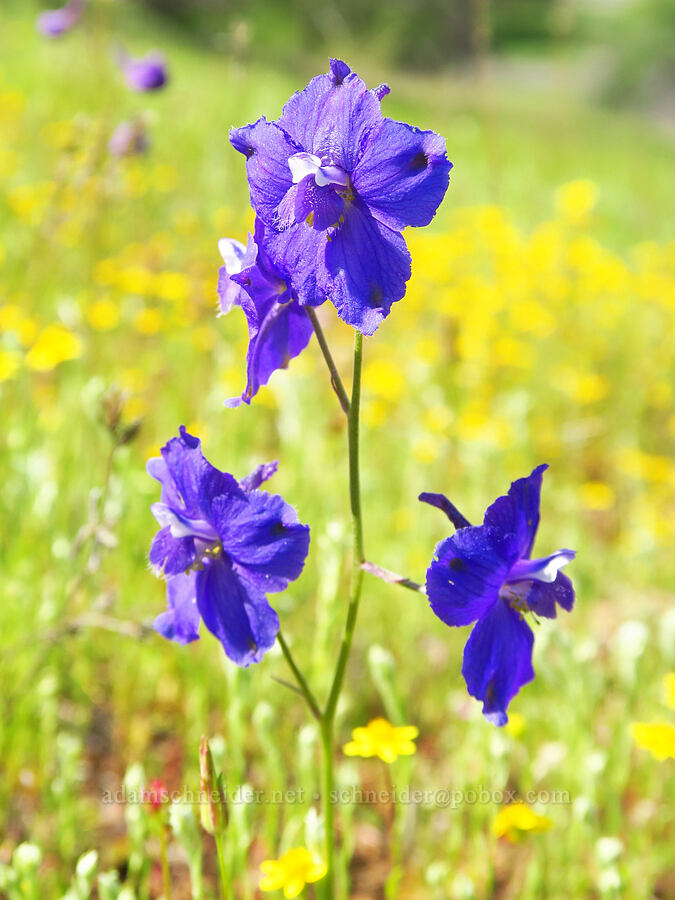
(146, 73)
(129, 139)
(56, 22)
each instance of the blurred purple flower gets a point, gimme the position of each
(485, 574)
(55, 22)
(278, 327)
(144, 73)
(336, 182)
(223, 546)
(129, 139)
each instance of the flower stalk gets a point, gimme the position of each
(328, 719)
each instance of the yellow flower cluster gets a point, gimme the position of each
(658, 737)
(296, 868)
(381, 738)
(517, 820)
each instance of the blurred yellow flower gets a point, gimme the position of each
(13, 319)
(381, 738)
(657, 737)
(9, 363)
(29, 201)
(669, 690)
(597, 496)
(575, 200)
(516, 724)
(425, 448)
(12, 104)
(135, 408)
(105, 272)
(148, 321)
(103, 315)
(204, 338)
(173, 286)
(437, 419)
(383, 378)
(135, 182)
(374, 413)
(428, 350)
(296, 868)
(136, 280)
(584, 388)
(54, 345)
(518, 819)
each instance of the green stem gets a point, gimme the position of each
(299, 677)
(336, 381)
(166, 873)
(222, 868)
(327, 787)
(328, 718)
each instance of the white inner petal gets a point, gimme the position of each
(546, 571)
(232, 252)
(303, 164)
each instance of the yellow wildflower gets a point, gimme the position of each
(29, 201)
(518, 819)
(296, 868)
(136, 280)
(381, 738)
(148, 321)
(516, 724)
(103, 315)
(54, 345)
(657, 737)
(173, 286)
(669, 689)
(13, 319)
(385, 379)
(105, 272)
(597, 495)
(575, 200)
(374, 413)
(12, 104)
(135, 408)
(425, 448)
(9, 363)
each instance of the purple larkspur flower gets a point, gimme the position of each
(278, 327)
(336, 182)
(485, 574)
(129, 139)
(55, 22)
(223, 546)
(144, 73)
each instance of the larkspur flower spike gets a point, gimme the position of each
(485, 574)
(335, 183)
(223, 546)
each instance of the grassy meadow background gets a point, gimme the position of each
(538, 327)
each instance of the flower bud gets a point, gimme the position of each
(213, 807)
